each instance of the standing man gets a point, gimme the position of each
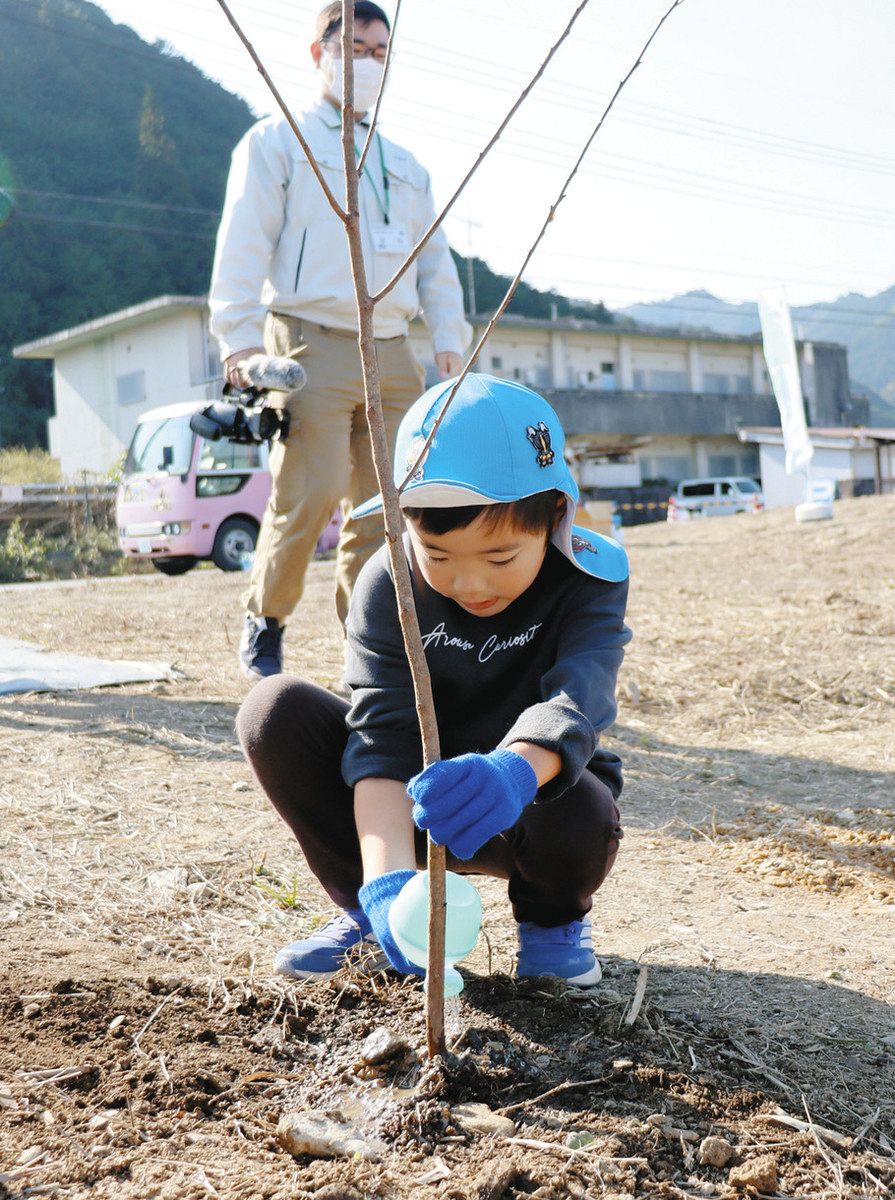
(281, 284)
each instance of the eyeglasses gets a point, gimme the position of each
(361, 50)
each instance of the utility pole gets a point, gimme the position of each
(470, 274)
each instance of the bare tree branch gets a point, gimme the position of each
(336, 207)
(388, 62)
(394, 529)
(394, 526)
(418, 248)
(412, 469)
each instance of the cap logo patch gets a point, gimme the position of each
(413, 452)
(539, 436)
(580, 544)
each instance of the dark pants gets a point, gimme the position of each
(555, 857)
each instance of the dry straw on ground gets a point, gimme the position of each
(145, 884)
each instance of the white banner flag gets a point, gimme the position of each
(783, 367)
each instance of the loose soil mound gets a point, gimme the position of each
(746, 933)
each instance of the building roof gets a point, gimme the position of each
(579, 325)
(138, 314)
(116, 322)
(859, 437)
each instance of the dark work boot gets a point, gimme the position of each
(261, 648)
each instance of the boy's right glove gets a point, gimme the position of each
(466, 801)
(376, 898)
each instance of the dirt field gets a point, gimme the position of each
(146, 1052)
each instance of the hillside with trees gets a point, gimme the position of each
(114, 152)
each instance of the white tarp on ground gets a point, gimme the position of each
(27, 667)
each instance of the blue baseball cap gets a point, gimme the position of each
(499, 442)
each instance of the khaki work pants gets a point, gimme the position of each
(325, 460)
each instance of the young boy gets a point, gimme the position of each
(522, 621)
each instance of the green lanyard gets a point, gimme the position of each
(385, 200)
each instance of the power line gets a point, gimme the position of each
(117, 202)
(653, 116)
(113, 226)
(577, 255)
(808, 312)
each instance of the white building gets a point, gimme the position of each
(858, 461)
(108, 371)
(637, 405)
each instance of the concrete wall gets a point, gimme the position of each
(837, 463)
(660, 413)
(103, 387)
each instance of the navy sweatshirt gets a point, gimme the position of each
(541, 671)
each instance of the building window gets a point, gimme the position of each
(716, 384)
(517, 372)
(668, 381)
(213, 367)
(722, 464)
(607, 368)
(665, 468)
(131, 388)
(496, 363)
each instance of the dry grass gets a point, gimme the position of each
(18, 465)
(757, 878)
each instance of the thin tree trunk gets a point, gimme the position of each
(394, 530)
(394, 525)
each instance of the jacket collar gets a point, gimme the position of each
(332, 116)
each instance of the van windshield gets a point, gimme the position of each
(163, 445)
(746, 486)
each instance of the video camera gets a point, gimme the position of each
(243, 415)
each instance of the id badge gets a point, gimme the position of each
(391, 239)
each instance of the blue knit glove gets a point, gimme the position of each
(465, 801)
(375, 898)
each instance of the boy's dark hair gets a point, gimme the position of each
(532, 514)
(330, 19)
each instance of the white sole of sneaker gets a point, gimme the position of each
(586, 979)
(589, 978)
(368, 960)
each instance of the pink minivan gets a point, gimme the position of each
(183, 498)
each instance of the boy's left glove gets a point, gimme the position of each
(465, 801)
(376, 898)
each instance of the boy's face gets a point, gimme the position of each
(482, 570)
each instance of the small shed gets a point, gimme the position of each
(860, 461)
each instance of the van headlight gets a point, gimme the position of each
(175, 528)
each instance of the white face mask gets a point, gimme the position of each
(367, 78)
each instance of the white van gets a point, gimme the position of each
(715, 496)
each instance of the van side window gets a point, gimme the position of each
(698, 489)
(726, 489)
(228, 456)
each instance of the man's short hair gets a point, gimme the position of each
(330, 19)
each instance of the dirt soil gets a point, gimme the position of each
(747, 932)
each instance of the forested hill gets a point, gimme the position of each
(115, 152)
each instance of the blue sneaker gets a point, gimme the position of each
(564, 951)
(327, 950)
(261, 648)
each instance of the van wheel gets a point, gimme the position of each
(234, 541)
(179, 565)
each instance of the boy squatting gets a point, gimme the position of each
(522, 618)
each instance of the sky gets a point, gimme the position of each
(754, 146)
